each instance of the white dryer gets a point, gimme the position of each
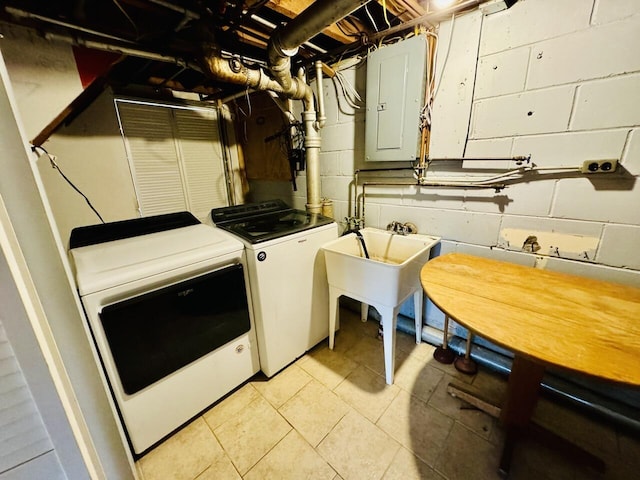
(168, 308)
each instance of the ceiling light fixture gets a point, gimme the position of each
(440, 4)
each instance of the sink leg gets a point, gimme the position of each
(389, 322)
(364, 311)
(417, 306)
(333, 314)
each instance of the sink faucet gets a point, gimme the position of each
(402, 228)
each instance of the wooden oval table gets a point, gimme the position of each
(547, 319)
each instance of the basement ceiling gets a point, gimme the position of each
(158, 43)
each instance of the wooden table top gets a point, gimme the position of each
(582, 324)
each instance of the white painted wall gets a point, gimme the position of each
(90, 151)
(47, 290)
(43, 74)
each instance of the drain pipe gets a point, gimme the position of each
(320, 88)
(284, 44)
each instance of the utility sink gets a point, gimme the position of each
(385, 280)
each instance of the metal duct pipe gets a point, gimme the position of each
(318, 16)
(273, 26)
(124, 50)
(284, 44)
(232, 70)
(17, 13)
(284, 41)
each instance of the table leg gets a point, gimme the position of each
(418, 299)
(515, 415)
(522, 396)
(364, 311)
(333, 315)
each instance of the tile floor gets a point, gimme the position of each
(330, 416)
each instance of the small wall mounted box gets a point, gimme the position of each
(599, 166)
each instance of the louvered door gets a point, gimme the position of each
(175, 157)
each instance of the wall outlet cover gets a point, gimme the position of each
(599, 166)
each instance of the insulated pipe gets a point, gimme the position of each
(273, 26)
(284, 41)
(283, 44)
(315, 18)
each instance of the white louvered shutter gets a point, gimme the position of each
(175, 156)
(202, 161)
(153, 158)
(22, 433)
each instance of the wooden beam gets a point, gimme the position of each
(403, 9)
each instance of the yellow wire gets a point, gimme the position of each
(384, 9)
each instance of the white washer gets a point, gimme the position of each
(170, 314)
(287, 274)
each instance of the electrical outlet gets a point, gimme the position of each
(599, 166)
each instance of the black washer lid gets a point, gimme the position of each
(107, 232)
(237, 213)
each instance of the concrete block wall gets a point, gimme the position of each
(559, 81)
(555, 80)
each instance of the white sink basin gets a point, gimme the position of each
(389, 276)
(385, 280)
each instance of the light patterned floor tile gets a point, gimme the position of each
(417, 426)
(533, 460)
(418, 378)
(292, 459)
(350, 320)
(251, 433)
(280, 388)
(357, 449)
(492, 385)
(184, 455)
(450, 369)
(466, 455)
(421, 351)
(368, 351)
(575, 426)
(231, 406)
(406, 466)
(220, 470)
(327, 366)
(472, 418)
(440, 440)
(630, 448)
(139, 471)
(346, 339)
(314, 411)
(367, 392)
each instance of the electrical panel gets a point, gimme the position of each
(396, 77)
